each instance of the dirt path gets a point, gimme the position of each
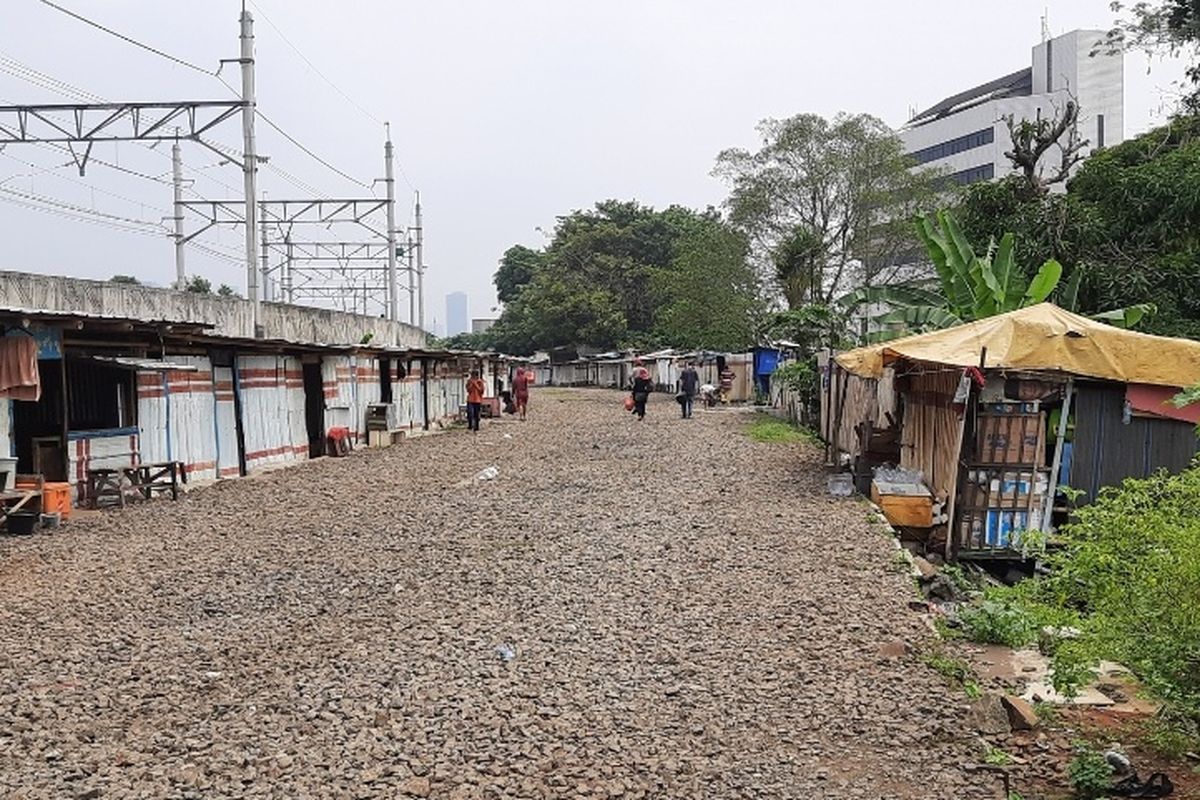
(691, 616)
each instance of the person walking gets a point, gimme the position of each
(642, 386)
(688, 383)
(475, 388)
(521, 383)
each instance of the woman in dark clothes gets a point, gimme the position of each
(642, 386)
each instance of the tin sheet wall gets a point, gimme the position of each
(175, 416)
(351, 383)
(272, 393)
(225, 423)
(447, 390)
(1108, 446)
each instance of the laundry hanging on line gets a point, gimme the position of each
(19, 378)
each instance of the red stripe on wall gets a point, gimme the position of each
(275, 451)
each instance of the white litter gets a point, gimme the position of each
(488, 474)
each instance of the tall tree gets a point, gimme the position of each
(614, 275)
(710, 294)
(846, 182)
(798, 260)
(1125, 230)
(517, 268)
(1165, 26)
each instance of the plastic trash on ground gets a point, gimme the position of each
(841, 484)
(488, 474)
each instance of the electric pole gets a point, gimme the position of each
(177, 182)
(420, 268)
(266, 267)
(412, 279)
(288, 297)
(250, 164)
(390, 180)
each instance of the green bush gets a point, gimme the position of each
(998, 622)
(1130, 566)
(801, 377)
(1090, 773)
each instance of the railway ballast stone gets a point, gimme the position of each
(692, 616)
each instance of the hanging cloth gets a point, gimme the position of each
(19, 379)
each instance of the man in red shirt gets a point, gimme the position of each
(475, 388)
(521, 383)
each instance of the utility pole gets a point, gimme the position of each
(390, 180)
(250, 164)
(412, 280)
(266, 267)
(177, 182)
(420, 268)
(287, 269)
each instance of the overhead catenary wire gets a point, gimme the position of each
(128, 39)
(54, 173)
(66, 206)
(313, 66)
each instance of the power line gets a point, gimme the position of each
(313, 155)
(61, 204)
(52, 172)
(313, 66)
(258, 112)
(128, 39)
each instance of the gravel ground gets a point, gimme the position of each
(688, 615)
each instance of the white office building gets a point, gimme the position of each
(966, 134)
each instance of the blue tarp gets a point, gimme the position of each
(765, 361)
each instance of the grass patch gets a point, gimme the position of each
(954, 670)
(765, 428)
(996, 757)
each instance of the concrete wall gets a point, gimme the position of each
(229, 317)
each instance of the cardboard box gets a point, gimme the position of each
(904, 505)
(1011, 439)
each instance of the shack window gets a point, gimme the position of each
(99, 396)
(385, 380)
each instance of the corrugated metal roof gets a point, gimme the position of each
(145, 364)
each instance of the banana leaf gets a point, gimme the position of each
(1043, 283)
(1127, 317)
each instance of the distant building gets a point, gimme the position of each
(481, 325)
(457, 318)
(966, 135)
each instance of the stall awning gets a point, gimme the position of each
(1042, 338)
(144, 364)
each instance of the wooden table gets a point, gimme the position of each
(141, 479)
(105, 483)
(162, 476)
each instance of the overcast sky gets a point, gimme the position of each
(504, 114)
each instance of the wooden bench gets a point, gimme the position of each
(143, 480)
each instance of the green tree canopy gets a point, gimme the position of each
(517, 268)
(1126, 230)
(615, 275)
(198, 285)
(827, 204)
